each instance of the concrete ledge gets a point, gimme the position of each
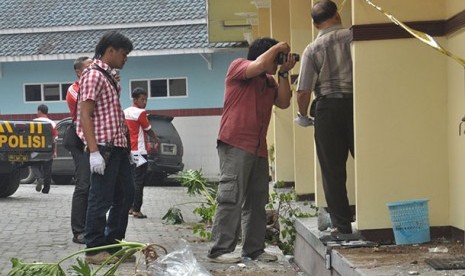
(311, 254)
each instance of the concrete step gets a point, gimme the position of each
(313, 257)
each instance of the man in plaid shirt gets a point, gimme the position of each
(101, 125)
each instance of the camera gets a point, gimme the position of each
(282, 57)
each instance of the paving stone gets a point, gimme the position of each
(36, 227)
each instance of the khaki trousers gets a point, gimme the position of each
(242, 196)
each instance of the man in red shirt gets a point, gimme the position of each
(102, 127)
(80, 64)
(250, 93)
(43, 170)
(139, 127)
(81, 162)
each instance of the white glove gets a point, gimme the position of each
(137, 159)
(97, 163)
(303, 121)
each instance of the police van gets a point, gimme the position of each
(22, 143)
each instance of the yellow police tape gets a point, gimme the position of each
(423, 37)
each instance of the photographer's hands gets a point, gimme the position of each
(289, 63)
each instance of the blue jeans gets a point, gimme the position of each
(112, 192)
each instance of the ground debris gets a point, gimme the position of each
(402, 258)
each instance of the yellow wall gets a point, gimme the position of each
(454, 6)
(456, 103)
(304, 161)
(400, 126)
(264, 28)
(405, 11)
(400, 118)
(220, 11)
(283, 138)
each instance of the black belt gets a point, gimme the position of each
(338, 96)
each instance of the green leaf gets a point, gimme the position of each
(30, 269)
(173, 216)
(82, 268)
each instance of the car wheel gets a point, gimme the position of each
(62, 179)
(9, 183)
(26, 176)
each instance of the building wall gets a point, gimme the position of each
(205, 87)
(199, 135)
(304, 155)
(456, 111)
(400, 118)
(454, 6)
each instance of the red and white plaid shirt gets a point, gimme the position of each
(108, 118)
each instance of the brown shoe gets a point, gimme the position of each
(139, 215)
(129, 259)
(100, 258)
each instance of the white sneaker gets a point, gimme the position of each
(354, 227)
(266, 257)
(227, 258)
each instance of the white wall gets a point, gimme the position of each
(198, 135)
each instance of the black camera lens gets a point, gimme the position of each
(296, 57)
(282, 57)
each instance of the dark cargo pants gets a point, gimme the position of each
(140, 174)
(242, 196)
(81, 191)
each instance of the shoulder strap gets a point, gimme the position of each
(112, 81)
(109, 77)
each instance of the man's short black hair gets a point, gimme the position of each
(113, 39)
(79, 62)
(323, 10)
(259, 46)
(137, 92)
(43, 108)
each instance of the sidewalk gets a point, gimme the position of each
(36, 227)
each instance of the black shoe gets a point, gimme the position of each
(39, 185)
(79, 239)
(46, 189)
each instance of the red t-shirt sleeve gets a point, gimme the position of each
(143, 121)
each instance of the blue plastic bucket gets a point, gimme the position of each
(410, 221)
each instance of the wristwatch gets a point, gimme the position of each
(283, 74)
